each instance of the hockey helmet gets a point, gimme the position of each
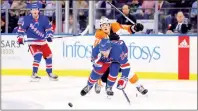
(104, 45)
(34, 6)
(104, 20)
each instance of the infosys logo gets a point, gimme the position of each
(143, 52)
(135, 51)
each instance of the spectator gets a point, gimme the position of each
(120, 3)
(20, 21)
(50, 9)
(12, 18)
(122, 20)
(104, 9)
(181, 26)
(2, 25)
(81, 4)
(164, 4)
(165, 17)
(82, 13)
(71, 26)
(193, 16)
(136, 10)
(18, 4)
(147, 7)
(4, 5)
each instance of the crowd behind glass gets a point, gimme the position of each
(139, 9)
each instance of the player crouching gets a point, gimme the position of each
(38, 30)
(112, 55)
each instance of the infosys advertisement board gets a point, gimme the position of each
(145, 53)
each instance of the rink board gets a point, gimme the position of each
(151, 57)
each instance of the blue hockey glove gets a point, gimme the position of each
(49, 37)
(122, 83)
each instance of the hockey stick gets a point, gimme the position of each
(127, 98)
(81, 34)
(121, 12)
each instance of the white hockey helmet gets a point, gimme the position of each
(104, 20)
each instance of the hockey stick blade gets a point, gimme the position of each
(127, 98)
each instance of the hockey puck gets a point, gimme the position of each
(70, 104)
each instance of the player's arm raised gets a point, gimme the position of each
(126, 29)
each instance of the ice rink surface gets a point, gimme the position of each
(19, 93)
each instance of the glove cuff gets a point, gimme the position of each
(133, 28)
(124, 78)
(20, 36)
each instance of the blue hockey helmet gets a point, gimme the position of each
(34, 6)
(104, 45)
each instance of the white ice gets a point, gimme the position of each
(19, 93)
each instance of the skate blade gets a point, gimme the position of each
(34, 80)
(138, 94)
(51, 79)
(109, 97)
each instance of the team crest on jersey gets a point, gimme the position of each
(36, 30)
(123, 55)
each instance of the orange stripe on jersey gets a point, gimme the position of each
(115, 26)
(100, 34)
(127, 27)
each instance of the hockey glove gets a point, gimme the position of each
(49, 37)
(122, 83)
(20, 40)
(137, 27)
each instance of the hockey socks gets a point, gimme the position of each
(37, 60)
(48, 65)
(114, 70)
(93, 78)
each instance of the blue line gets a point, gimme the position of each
(141, 35)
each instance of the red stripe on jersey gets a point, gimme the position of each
(91, 80)
(125, 65)
(35, 64)
(111, 78)
(49, 66)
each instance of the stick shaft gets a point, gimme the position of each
(127, 98)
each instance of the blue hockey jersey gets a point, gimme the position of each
(36, 30)
(118, 54)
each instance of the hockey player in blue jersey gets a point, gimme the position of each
(112, 55)
(38, 30)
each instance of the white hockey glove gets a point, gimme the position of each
(122, 83)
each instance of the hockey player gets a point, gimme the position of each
(114, 55)
(38, 30)
(112, 31)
